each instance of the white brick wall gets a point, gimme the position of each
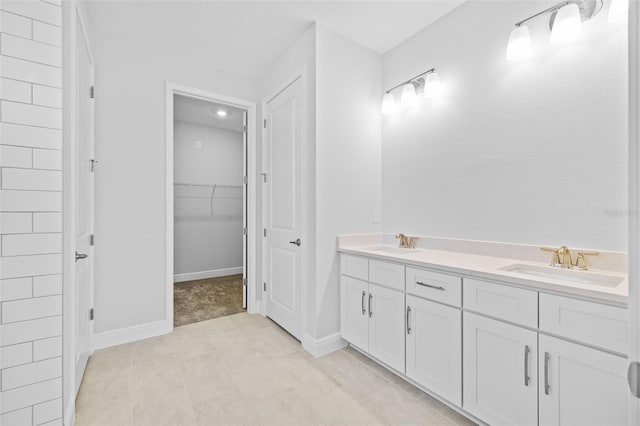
(30, 212)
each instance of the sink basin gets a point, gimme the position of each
(573, 276)
(392, 250)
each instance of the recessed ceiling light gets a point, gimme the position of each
(222, 113)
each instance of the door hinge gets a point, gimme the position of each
(265, 123)
(245, 129)
(244, 282)
(264, 177)
(264, 286)
(92, 239)
(633, 376)
(93, 164)
(245, 231)
(264, 232)
(245, 180)
(92, 92)
(91, 314)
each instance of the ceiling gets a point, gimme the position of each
(243, 38)
(204, 113)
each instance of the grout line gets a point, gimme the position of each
(57, 67)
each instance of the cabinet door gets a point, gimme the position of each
(354, 318)
(386, 326)
(434, 347)
(580, 385)
(500, 365)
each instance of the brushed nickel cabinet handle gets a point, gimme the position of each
(437, 287)
(526, 365)
(364, 309)
(408, 319)
(547, 388)
(370, 310)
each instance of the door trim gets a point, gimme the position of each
(634, 198)
(172, 89)
(305, 151)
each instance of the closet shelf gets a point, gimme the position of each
(212, 192)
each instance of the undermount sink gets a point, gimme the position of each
(573, 276)
(392, 250)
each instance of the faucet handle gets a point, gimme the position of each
(555, 260)
(412, 242)
(581, 262)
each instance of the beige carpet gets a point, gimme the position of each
(202, 300)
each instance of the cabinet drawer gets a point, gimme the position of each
(435, 286)
(386, 274)
(589, 322)
(500, 301)
(353, 266)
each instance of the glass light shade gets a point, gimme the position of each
(618, 11)
(567, 25)
(519, 47)
(432, 86)
(408, 95)
(388, 104)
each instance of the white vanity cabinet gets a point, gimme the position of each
(580, 385)
(386, 326)
(434, 347)
(503, 353)
(372, 316)
(500, 371)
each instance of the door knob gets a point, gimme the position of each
(80, 256)
(296, 242)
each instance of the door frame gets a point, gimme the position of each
(73, 18)
(172, 89)
(634, 198)
(305, 234)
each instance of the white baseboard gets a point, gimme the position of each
(256, 308)
(130, 334)
(323, 346)
(203, 275)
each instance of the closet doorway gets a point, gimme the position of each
(209, 197)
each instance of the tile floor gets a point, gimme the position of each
(244, 370)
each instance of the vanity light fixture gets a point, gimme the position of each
(618, 11)
(565, 23)
(408, 98)
(519, 46)
(427, 83)
(389, 106)
(222, 113)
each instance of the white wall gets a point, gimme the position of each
(348, 159)
(30, 213)
(130, 182)
(203, 243)
(526, 153)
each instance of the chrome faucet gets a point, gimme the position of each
(561, 258)
(407, 242)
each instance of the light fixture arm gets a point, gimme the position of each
(588, 9)
(545, 12)
(411, 80)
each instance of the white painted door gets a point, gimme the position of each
(354, 312)
(245, 211)
(84, 203)
(284, 243)
(434, 347)
(386, 326)
(580, 385)
(500, 365)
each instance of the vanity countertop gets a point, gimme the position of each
(492, 268)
